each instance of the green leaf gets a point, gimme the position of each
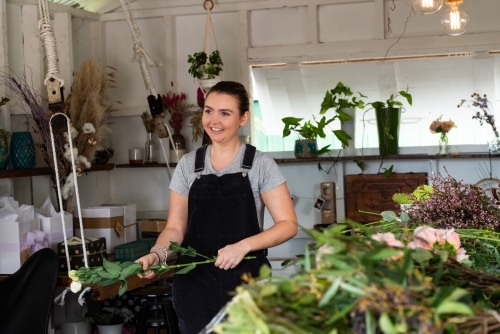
(307, 260)
(451, 307)
(186, 269)
(106, 274)
(381, 254)
(112, 267)
(388, 172)
(388, 133)
(404, 217)
(108, 281)
(268, 290)
(407, 96)
(133, 269)
(377, 105)
(342, 136)
(370, 323)
(389, 216)
(265, 271)
(123, 287)
(343, 116)
(386, 324)
(421, 255)
(339, 315)
(324, 150)
(361, 164)
(330, 293)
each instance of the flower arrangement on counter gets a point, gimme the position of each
(177, 107)
(442, 127)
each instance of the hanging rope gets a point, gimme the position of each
(59, 194)
(49, 42)
(208, 5)
(145, 62)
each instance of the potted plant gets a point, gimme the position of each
(110, 320)
(343, 102)
(306, 145)
(388, 115)
(405, 200)
(207, 69)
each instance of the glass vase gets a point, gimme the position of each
(180, 145)
(494, 145)
(151, 149)
(444, 146)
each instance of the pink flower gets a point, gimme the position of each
(461, 256)
(388, 238)
(447, 125)
(434, 126)
(425, 237)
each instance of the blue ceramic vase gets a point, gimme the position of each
(4, 149)
(22, 150)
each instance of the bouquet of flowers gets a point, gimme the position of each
(177, 107)
(483, 115)
(442, 127)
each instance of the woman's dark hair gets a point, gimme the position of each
(234, 89)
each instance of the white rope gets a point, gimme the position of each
(61, 297)
(49, 42)
(142, 57)
(59, 194)
(81, 301)
(140, 54)
(206, 42)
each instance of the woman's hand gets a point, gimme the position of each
(146, 261)
(230, 256)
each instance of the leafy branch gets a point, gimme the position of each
(112, 272)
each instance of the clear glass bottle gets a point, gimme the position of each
(151, 149)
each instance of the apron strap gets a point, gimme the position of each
(199, 163)
(248, 157)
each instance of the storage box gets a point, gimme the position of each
(53, 229)
(129, 220)
(151, 228)
(96, 251)
(100, 221)
(131, 251)
(12, 241)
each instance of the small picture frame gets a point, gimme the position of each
(319, 203)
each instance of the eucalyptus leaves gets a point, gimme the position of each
(112, 272)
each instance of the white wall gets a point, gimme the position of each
(248, 32)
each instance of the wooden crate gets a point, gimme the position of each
(373, 193)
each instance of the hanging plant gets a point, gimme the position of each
(203, 69)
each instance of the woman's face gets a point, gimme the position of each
(221, 117)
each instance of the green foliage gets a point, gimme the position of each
(402, 198)
(201, 68)
(341, 97)
(422, 192)
(391, 102)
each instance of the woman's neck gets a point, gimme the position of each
(222, 154)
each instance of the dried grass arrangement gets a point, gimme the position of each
(86, 107)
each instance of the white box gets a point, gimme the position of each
(99, 221)
(53, 229)
(129, 220)
(12, 238)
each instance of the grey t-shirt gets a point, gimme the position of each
(265, 175)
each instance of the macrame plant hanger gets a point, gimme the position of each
(154, 99)
(208, 5)
(59, 123)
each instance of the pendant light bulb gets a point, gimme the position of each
(455, 20)
(427, 6)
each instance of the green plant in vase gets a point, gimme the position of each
(307, 132)
(203, 66)
(388, 116)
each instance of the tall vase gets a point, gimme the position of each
(22, 150)
(349, 127)
(444, 146)
(4, 149)
(180, 146)
(494, 144)
(151, 149)
(388, 120)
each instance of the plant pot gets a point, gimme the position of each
(110, 329)
(206, 84)
(180, 144)
(388, 118)
(349, 128)
(76, 326)
(306, 149)
(22, 150)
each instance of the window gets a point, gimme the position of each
(437, 85)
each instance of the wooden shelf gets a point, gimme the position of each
(173, 164)
(11, 173)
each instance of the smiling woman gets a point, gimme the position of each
(436, 83)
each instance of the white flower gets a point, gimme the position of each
(69, 186)
(74, 134)
(461, 256)
(73, 273)
(88, 128)
(67, 152)
(84, 161)
(75, 286)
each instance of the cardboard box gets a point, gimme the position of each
(129, 220)
(53, 228)
(96, 251)
(12, 241)
(151, 228)
(100, 221)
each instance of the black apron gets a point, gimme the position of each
(221, 211)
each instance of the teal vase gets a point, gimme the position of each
(22, 150)
(4, 149)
